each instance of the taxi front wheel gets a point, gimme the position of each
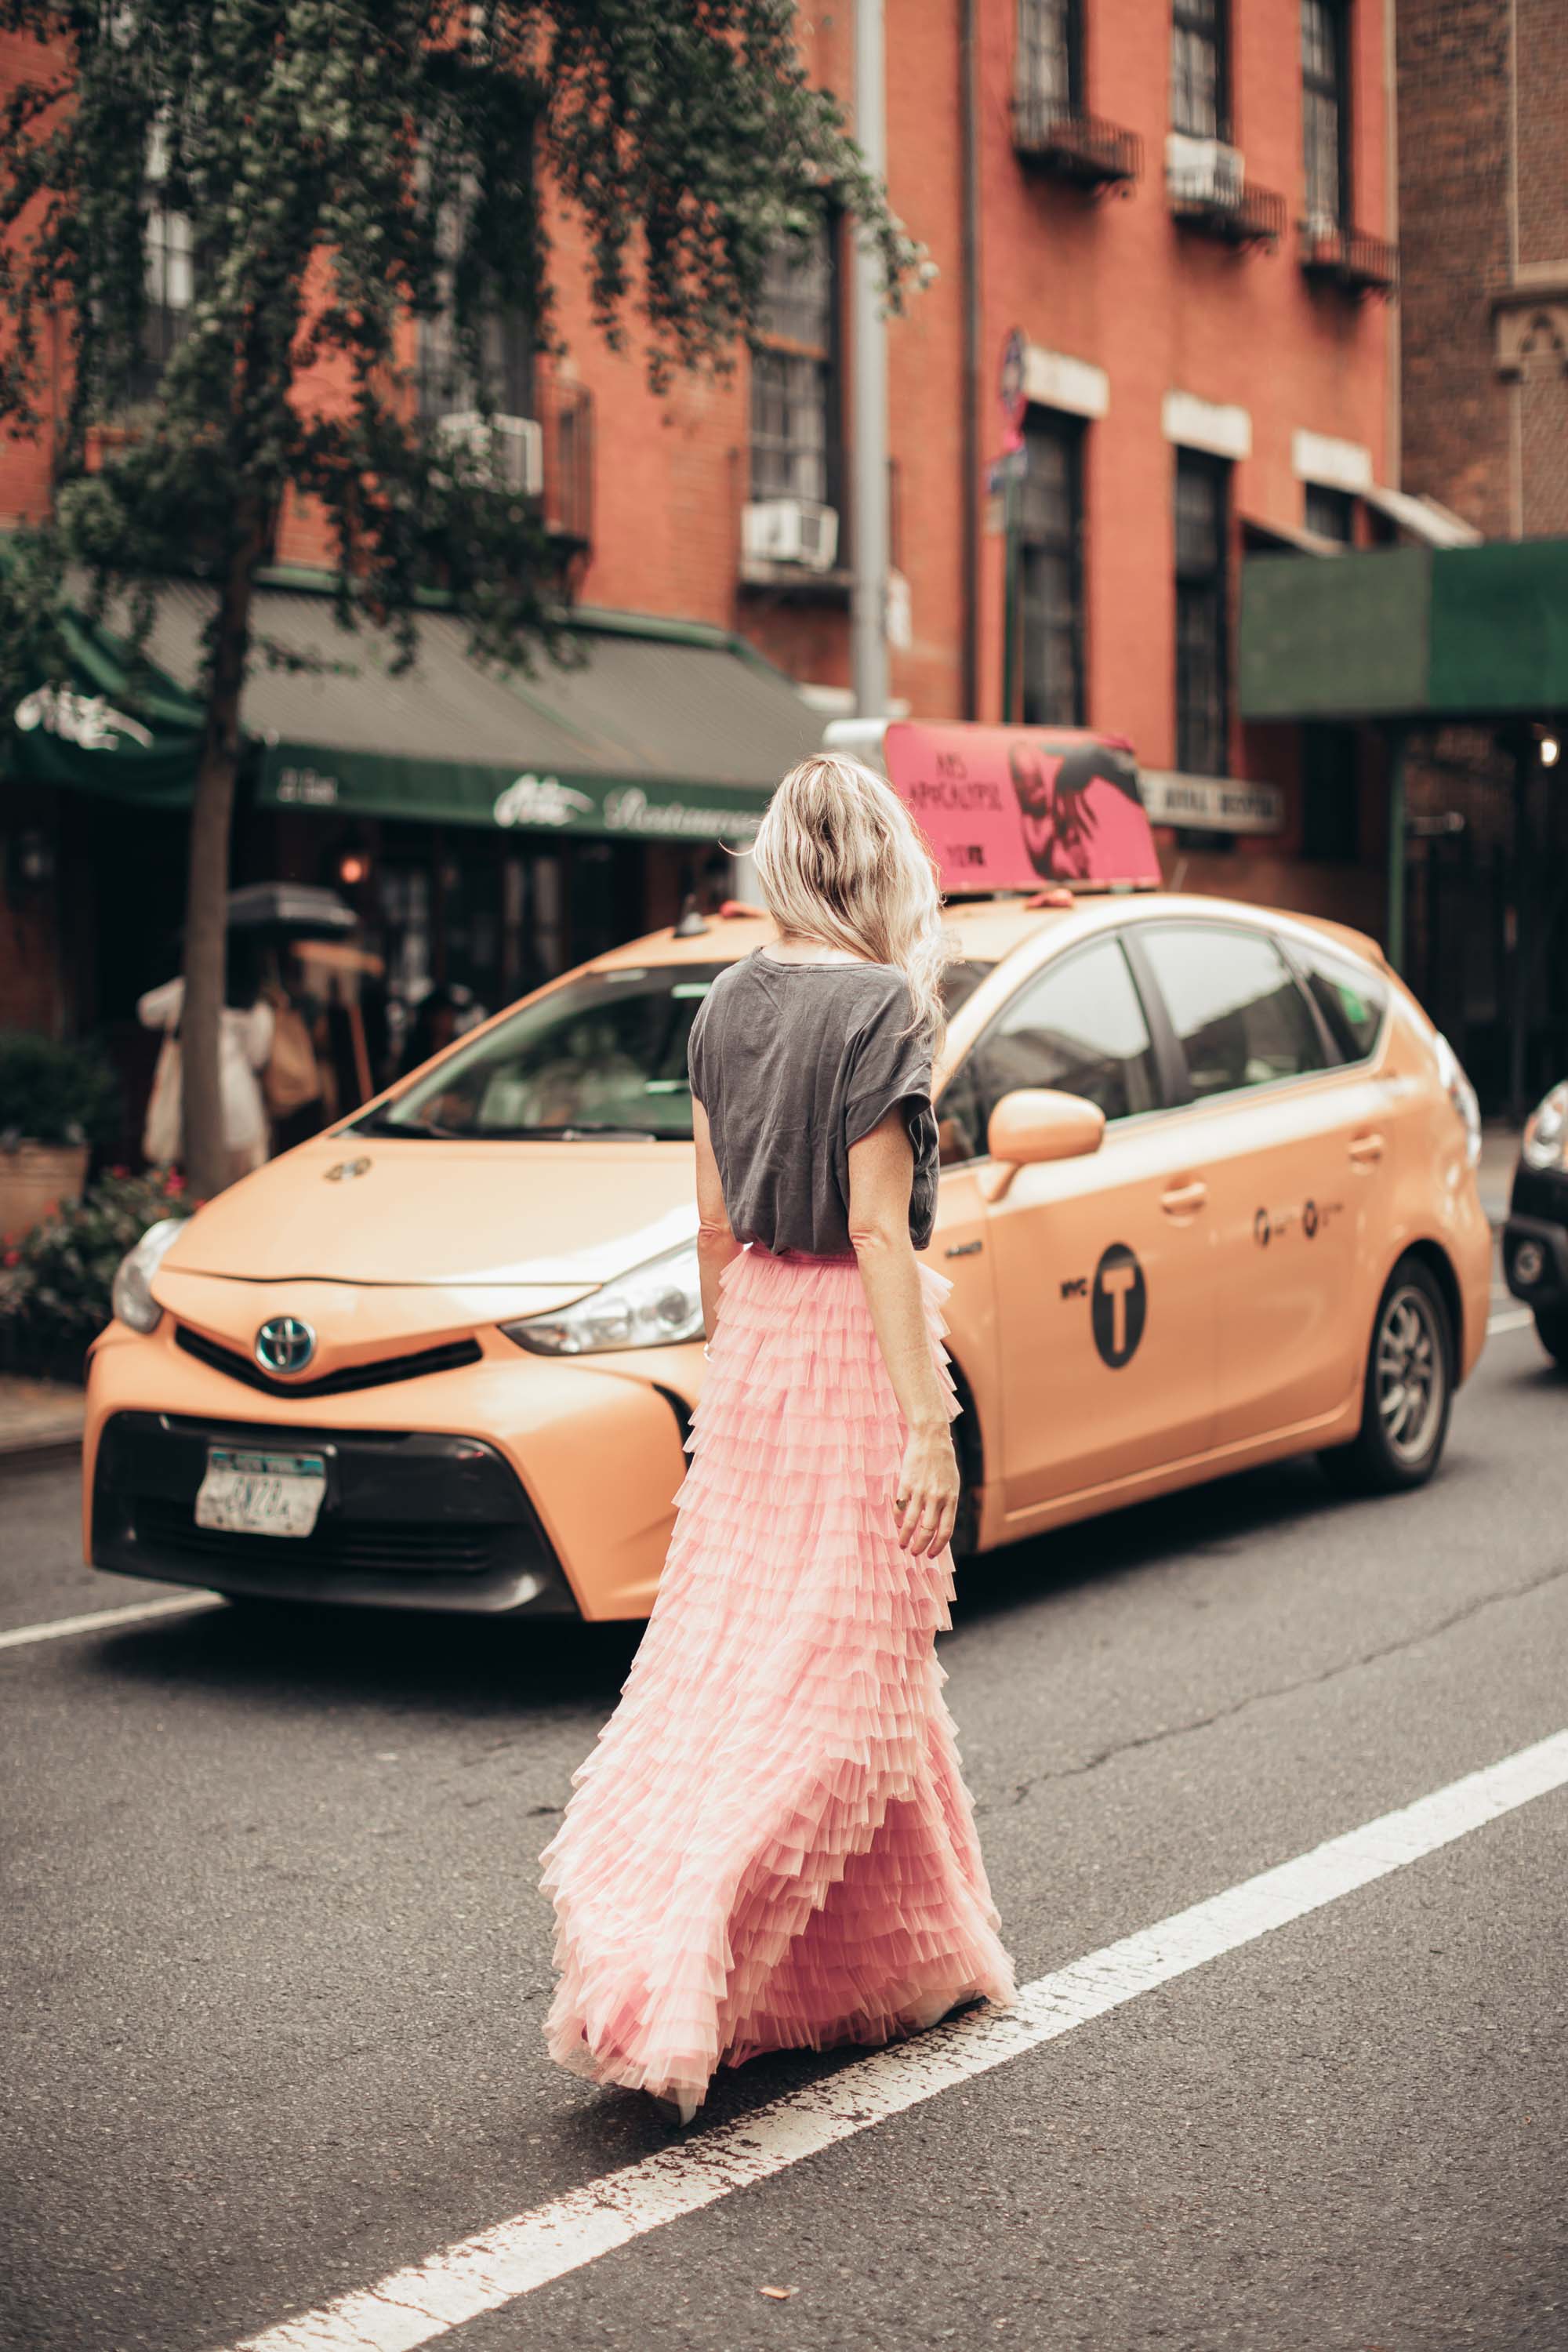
(1408, 1390)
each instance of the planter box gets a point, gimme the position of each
(33, 1179)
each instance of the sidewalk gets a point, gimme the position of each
(40, 1421)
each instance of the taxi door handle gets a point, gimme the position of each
(1366, 1150)
(1183, 1199)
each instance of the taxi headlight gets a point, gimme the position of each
(656, 1305)
(1462, 1095)
(131, 1293)
(1546, 1130)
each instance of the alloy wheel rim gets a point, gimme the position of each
(1410, 1373)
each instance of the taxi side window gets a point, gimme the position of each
(1078, 1026)
(1238, 1014)
(1351, 998)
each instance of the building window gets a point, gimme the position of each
(1199, 106)
(1331, 513)
(1050, 53)
(444, 380)
(794, 375)
(1331, 796)
(168, 275)
(169, 283)
(1202, 615)
(1325, 110)
(1050, 547)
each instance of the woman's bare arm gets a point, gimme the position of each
(881, 1175)
(716, 1244)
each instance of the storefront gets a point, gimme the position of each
(490, 829)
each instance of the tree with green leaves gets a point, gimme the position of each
(335, 166)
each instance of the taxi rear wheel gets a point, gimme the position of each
(1408, 1390)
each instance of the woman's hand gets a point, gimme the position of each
(926, 1497)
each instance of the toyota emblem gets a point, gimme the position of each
(285, 1344)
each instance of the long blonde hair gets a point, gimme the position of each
(839, 857)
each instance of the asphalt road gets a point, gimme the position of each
(274, 1961)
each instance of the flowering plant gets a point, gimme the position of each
(55, 1285)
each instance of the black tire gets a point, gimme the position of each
(1551, 1330)
(1407, 1393)
(966, 1446)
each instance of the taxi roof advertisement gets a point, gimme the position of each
(1010, 808)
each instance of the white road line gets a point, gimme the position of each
(179, 1604)
(1512, 1319)
(484, 2274)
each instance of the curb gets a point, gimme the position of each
(45, 1451)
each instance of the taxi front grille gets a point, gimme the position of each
(373, 1547)
(382, 1373)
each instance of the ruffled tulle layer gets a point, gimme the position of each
(771, 1846)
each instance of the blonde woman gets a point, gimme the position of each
(771, 1846)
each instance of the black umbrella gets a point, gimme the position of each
(301, 907)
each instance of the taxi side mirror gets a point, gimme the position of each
(1038, 1123)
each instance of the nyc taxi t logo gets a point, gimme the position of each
(1118, 1304)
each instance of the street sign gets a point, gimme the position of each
(1011, 467)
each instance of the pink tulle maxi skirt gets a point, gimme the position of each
(771, 1847)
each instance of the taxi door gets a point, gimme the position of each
(1267, 1123)
(1100, 1266)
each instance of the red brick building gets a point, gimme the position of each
(1182, 213)
(1483, 105)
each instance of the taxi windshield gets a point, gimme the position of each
(603, 1055)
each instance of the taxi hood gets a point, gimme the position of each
(377, 1209)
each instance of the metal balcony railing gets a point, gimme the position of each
(1245, 215)
(1337, 255)
(1059, 138)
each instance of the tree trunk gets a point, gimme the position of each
(207, 894)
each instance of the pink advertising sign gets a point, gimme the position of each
(1011, 808)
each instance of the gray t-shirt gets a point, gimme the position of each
(793, 1064)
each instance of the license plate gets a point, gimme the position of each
(261, 1493)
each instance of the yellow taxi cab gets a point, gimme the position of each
(1207, 1199)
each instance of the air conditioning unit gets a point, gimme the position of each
(509, 449)
(1203, 171)
(790, 531)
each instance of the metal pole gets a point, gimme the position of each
(1009, 598)
(869, 455)
(1399, 739)
(1523, 895)
(969, 436)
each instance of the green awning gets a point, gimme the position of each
(457, 792)
(135, 738)
(1408, 633)
(655, 729)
